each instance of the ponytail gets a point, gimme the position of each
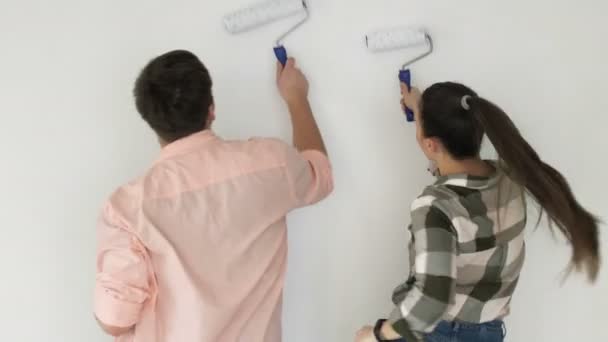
(546, 185)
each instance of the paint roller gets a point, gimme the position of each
(265, 13)
(400, 38)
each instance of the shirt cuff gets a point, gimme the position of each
(323, 180)
(113, 311)
(402, 328)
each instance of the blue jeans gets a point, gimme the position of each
(467, 332)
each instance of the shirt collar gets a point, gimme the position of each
(473, 182)
(188, 143)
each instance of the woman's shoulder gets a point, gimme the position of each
(440, 198)
(433, 196)
(437, 192)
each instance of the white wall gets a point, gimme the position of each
(69, 135)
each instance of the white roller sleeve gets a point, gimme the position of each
(260, 14)
(395, 39)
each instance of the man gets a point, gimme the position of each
(195, 250)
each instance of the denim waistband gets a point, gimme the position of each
(457, 325)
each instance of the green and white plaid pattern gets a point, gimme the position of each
(466, 254)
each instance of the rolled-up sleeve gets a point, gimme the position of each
(123, 277)
(310, 176)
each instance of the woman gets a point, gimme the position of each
(467, 247)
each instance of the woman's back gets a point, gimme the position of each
(466, 252)
(489, 217)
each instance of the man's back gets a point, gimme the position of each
(196, 249)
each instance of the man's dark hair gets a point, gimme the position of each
(173, 95)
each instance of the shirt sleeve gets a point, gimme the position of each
(310, 176)
(421, 304)
(122, 282)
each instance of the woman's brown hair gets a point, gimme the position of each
(461, 127)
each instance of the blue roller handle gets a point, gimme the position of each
(405, 76)
(281, 54)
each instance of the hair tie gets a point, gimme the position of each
(464, 102)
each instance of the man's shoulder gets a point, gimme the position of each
(261, 150)
(267, 144)
(224, 160)
(122, 202)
